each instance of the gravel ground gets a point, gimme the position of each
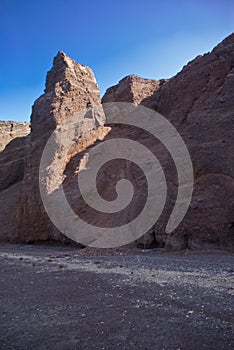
(54, 297)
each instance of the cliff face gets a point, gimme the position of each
(11, 130)
(198, 101)
(13, 138)
(70, 87)
(132, 89)
(12, 152)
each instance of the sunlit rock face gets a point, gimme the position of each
(70, 87)
(132, 89)
(12, 130)
(198, 101)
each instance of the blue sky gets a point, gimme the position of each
(153, 39)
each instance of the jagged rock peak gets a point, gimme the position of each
(132, 89)
(67, 73)
(70, 87)
(63, 59)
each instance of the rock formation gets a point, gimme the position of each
(70, 87)
(198, 101)
(11, 130)
(132, 89)
(13, 138)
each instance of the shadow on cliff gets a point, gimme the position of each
(12, 163)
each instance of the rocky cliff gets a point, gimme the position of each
(13, 138)
(11, 130)
(198, 101)
(70, 87)
(132, 89)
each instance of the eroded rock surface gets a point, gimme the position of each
(70, 87)
(11, 130)
(132, 89)
(13, 138)
(198, 101)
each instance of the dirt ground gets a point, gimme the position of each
(54, 297)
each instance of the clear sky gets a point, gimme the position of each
(150, 38)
